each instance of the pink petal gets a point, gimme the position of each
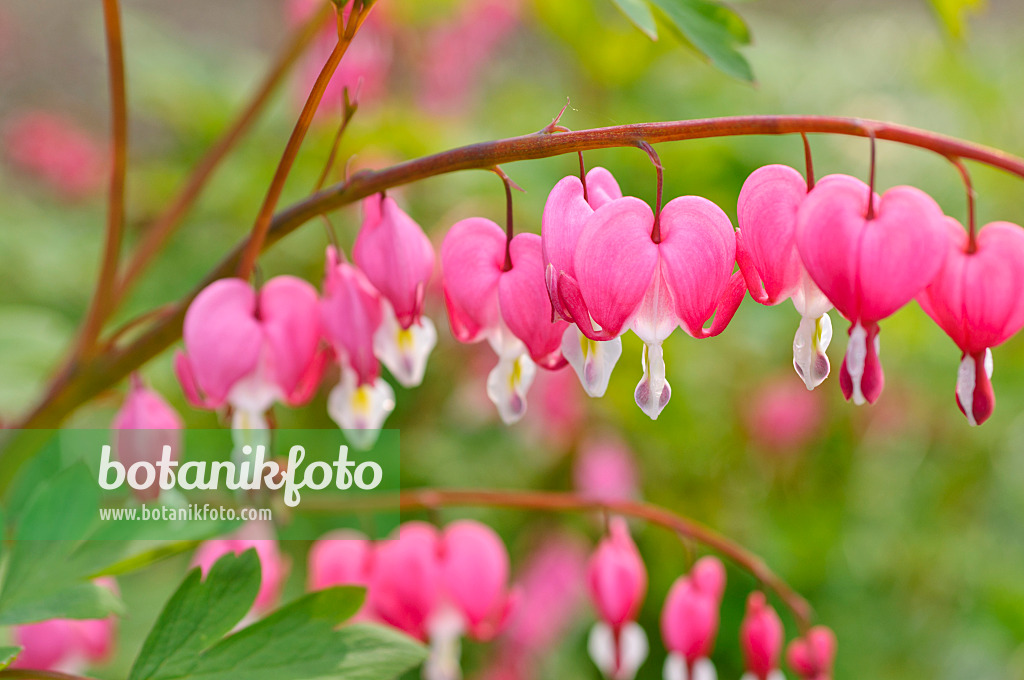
(689, 620)
(222, 336)
(396, 256)
(616, 576)
(565, 213)
(812, 655)
(861, 377)
(350, 313)
(766, 213)
(601, 187)
(698, 249)
(708, 576)
(525, 306)
(761, 636)
(290, 316)
(474, 568)
(406, 578)
(472, 257)
(615, 261)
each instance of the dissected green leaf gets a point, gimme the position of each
(8, 655)
(300, 641)
(41, 580)
(639, 12)
(712, 29)
(198, 614)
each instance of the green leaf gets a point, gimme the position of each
(377, 653)
(712, 29)
(41, 580)
(8, 655)
(198, 615)
(300, 641)
(640, 14)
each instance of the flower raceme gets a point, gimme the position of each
(767, 255)
(869, 260)
(507, 306)
(617, 581)
(566, 211)
(976, 299)
(625, 278)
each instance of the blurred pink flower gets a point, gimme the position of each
(561, 413)
(365, 65)
(66, 645)
(783, 416)
(605, 469)
(458, 50)
(812, 656)
(258, 535)
(55, 151)
(689, 620)
(761, 639)
(145, 424)
(342, 558)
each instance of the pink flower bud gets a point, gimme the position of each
(474, 572)
(145, 424)
(689, 620)
(251, 349)
(396, 256)
(405, 586)
(256, 535)
(616, 576)
(761, 637)
(812, 656)
(605, 470)
(708, 576)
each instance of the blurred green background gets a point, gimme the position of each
(900, 523)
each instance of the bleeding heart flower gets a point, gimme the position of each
(868, 267)
(145, 424)
(350, 315)
(975, 298)
(56, 151)
(251, 349)
(342, 558)
(689, 621)
(624, 279)
(767, 255)
(474, 571)
(398, 259)
(508, 307)
(812, 656)
(761, 638)
(617, 581)
(405, 583)
(566, 211)
(605, 470)
(259, 536)
(66, 645)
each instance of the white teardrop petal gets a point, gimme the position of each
(593, 361)
(653, 391)
(404, 351)
(360, 410)
(508, 383)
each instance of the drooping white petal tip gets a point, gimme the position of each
(593, 361)
(967, 380)
(360, 410)
(653, 391)
(404, 352)
(618, 661)
(508, 383)
(809, 344)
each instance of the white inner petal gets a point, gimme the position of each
(809, 344)
(703, 669)
(856, 356)
(633, 650)
(445, 630)
(653, 391)
(360, 410)
(967, 380)
(404, 352)
(655, 319)
(601, 648)
(675, 667)
(593, 361)
(508, 383)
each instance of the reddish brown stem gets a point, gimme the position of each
(871, 179)
(100, 306)
(84, 381)
(554, 501)
(659, 170)
(291, 150)
(509, 227)
(972, 222)
(808, 161)
(164, 226)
